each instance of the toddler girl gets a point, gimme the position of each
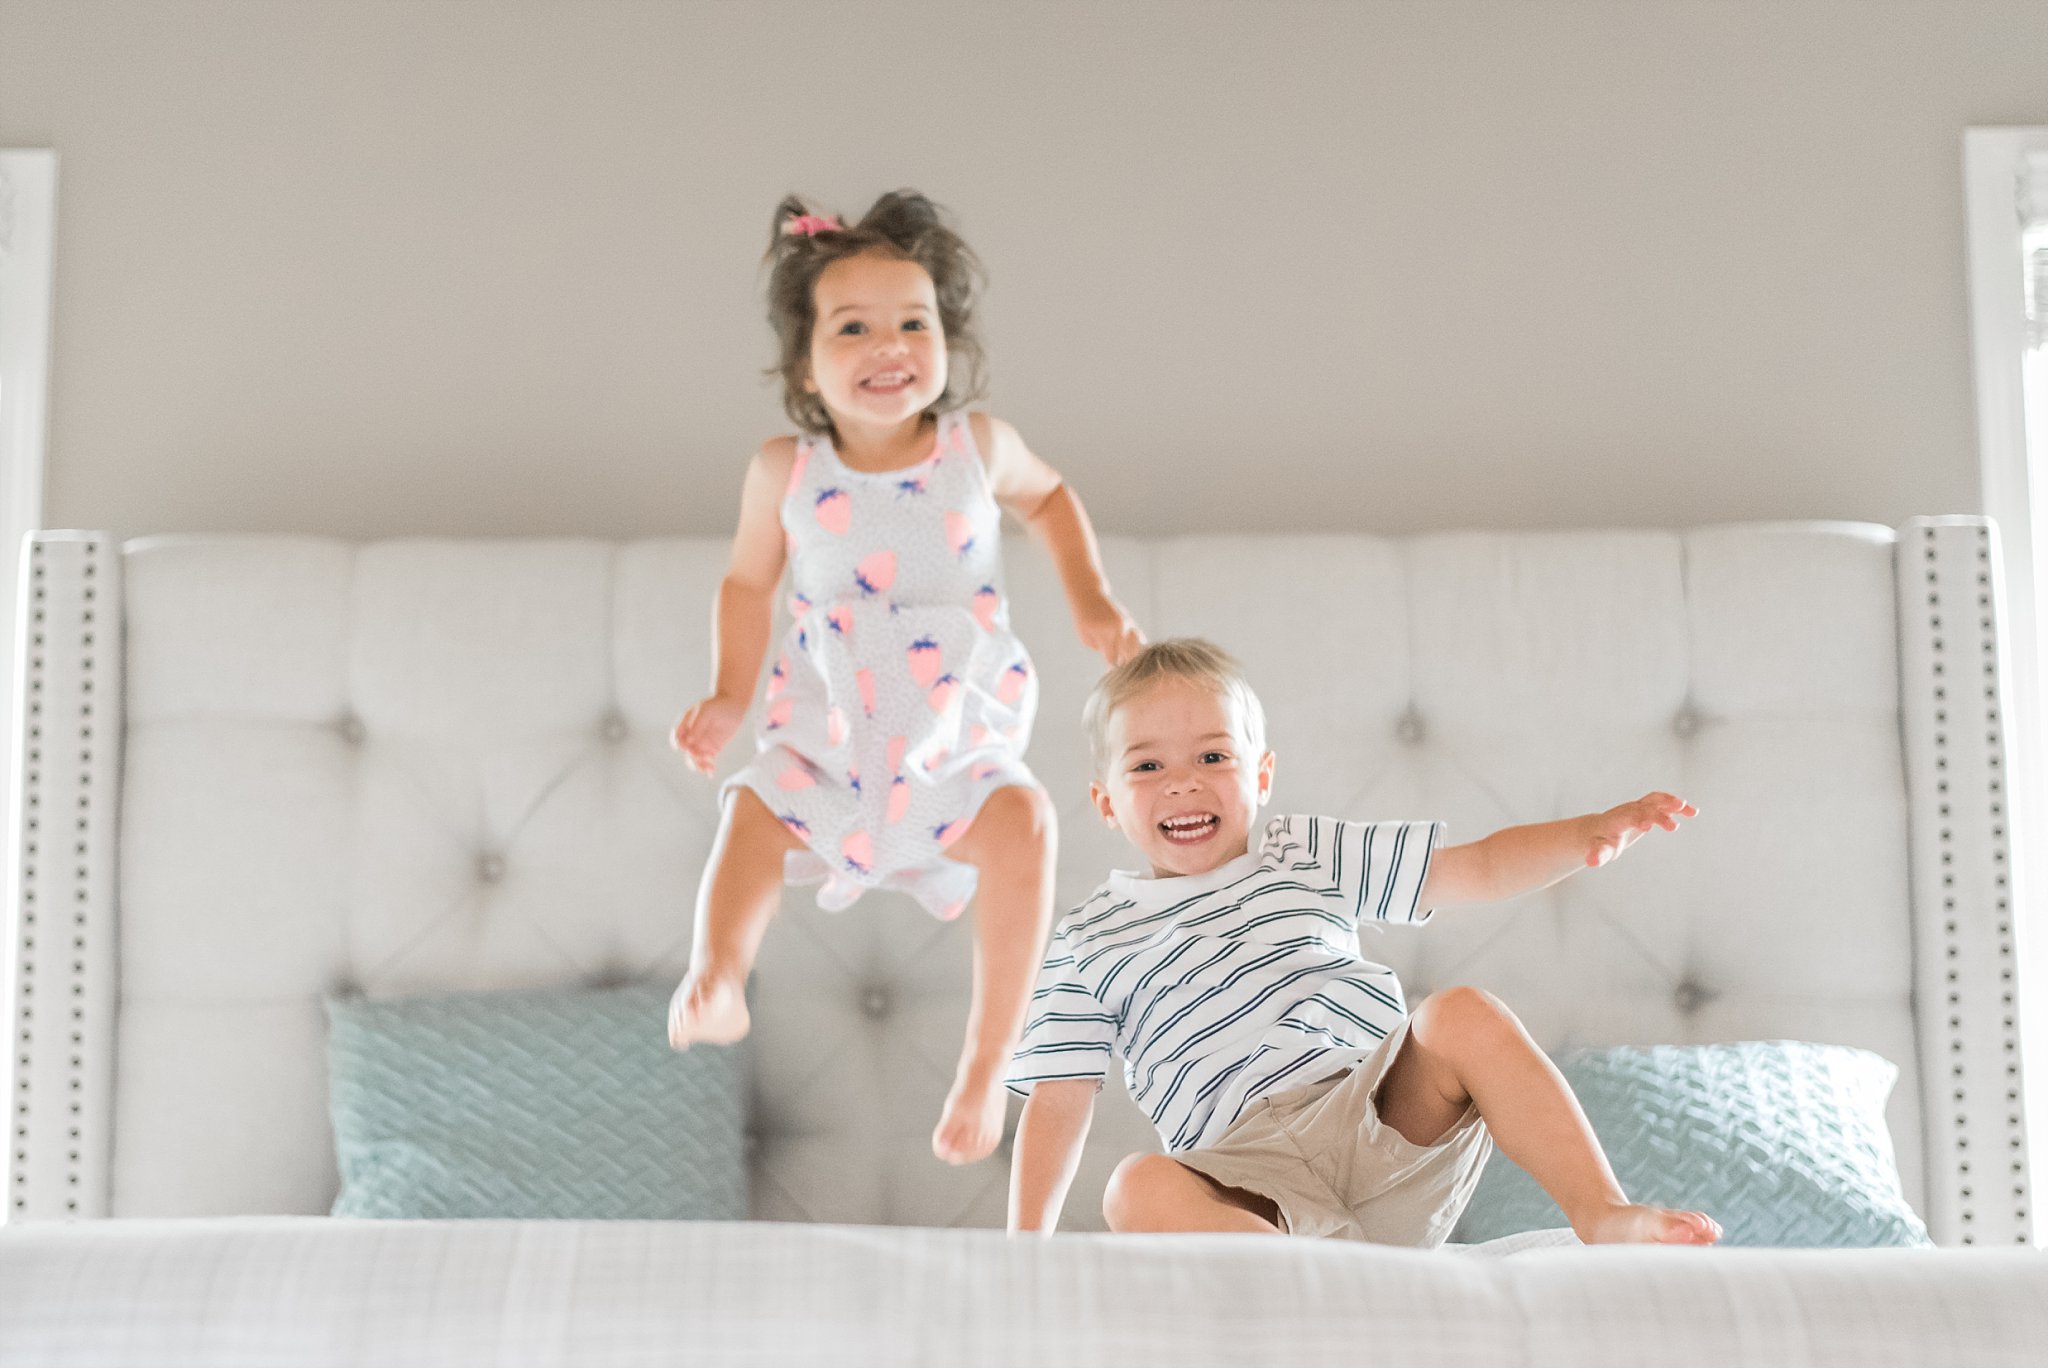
(898, 706)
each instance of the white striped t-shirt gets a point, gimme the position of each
(1216, 989)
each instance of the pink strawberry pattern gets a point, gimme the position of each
(959, 532)
(900, 699)
(834, 508)
(899, 787)
(859, 849)
(1011, 686)
(875, 573)
(925, 661)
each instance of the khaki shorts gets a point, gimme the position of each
(1321, 1155)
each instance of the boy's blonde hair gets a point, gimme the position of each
(1190, 658)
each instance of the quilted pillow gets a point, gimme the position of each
(554, 1103)
(1783, 1143)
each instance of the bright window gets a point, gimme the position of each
(2006, 189)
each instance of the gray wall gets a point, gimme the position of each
(376, 267)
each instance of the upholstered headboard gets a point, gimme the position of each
(259, 770)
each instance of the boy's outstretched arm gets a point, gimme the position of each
(1521, 859)
(1049, 1138)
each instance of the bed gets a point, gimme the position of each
(258, 772)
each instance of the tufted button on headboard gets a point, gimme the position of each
(425, 765)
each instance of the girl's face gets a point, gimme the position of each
(878, 354)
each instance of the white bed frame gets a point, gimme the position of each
(257, 770)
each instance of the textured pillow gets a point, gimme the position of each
(1783, 1143)
(555, 1103)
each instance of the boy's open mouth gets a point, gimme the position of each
(1195, 826)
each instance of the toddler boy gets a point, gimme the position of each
(1292, 1089)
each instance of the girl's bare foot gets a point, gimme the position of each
(1647, 1225)
(708, 1009)
(971, 1126)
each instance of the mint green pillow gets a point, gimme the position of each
(547, 1103)
(1784, 1143)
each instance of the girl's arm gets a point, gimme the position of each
(1521, 859)
(744, 612)
(1049, 1138)
(1045, 503)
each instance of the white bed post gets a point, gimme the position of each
(1966, 995)
(61, 914)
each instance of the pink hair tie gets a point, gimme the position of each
(810, 225)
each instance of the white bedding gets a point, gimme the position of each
(287, 1291)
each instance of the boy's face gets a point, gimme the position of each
(1179, 780)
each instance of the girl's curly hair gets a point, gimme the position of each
(902, 224)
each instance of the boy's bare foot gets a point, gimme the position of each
(1648, 1225)
(708, 1010)
(971, 1126)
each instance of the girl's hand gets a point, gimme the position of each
(1106, 629)
(1615, 830)
(705, 728)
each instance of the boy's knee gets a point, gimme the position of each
(1463, 1011)
(1134, 1189)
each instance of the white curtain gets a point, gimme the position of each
(2033, 207)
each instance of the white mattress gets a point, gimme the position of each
(285, 1291)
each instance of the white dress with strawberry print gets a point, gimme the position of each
(899, 700)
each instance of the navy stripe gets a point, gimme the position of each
(1316, 912)
(1264, 890)
(1040, 1020)
(1067, 1048)
(1022, 1082)
(1073, 929)
(1393, 875)
(1366, 986)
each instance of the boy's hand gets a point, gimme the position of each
(1615, 830)
(1105, 628)
(705, 728)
